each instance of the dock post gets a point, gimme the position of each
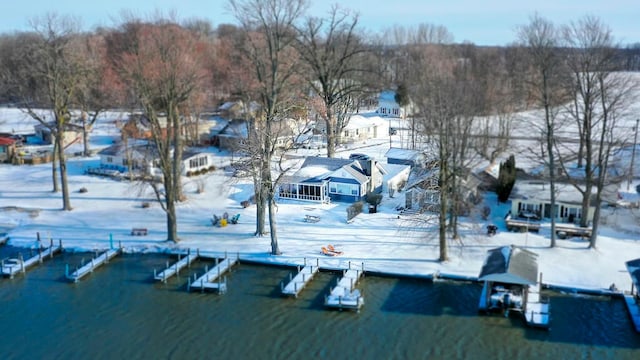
(305, 261)
(66, 271)
(60, 244)
(349, 265)
(21, 263)
(111, 241)
(40, 255)
(317, 262)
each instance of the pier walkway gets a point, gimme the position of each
(634, 310)
(11, 267)
(212, 280)
(177, 266)
(345, 295)
(297, 283)
(536, 311)
(93, 264)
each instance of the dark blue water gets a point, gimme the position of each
(120, 312)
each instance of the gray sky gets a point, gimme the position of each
(483, 22)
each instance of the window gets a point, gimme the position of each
(109, 159)
(344, 189)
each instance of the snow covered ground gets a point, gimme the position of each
(384, 241)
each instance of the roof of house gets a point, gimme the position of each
(510, 265)
(358, 121)
(403, 154)
(119, 149)
(538, 191)
(6, 141)
(633, 266)
(315, 168)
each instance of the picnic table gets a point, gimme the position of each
(311, 218)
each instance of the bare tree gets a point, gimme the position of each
(51, 68)
(98, 88)
(269, 28)
(161, 65)
(600, 97)
(332, 51)
(541, 39)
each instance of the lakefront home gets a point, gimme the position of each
(321, 179)
(531, 199)
(142, 157)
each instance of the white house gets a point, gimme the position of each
(362, 128)
(532, 199)
(143, 158)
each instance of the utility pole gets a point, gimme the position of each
(633, 155)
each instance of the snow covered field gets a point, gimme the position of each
(383, 241)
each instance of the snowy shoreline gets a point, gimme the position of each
(272, 261)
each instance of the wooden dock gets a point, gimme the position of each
(302, 278)
(536, 311)
(212, 279)
(177, 266)
(11, 267)
(345, 295)
(88, 268)
(634, 310)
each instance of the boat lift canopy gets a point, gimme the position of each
(510, 265)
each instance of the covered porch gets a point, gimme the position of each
(299, 189)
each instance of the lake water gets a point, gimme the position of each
(120, 312)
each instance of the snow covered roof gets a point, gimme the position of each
(633, 266)
(510, 265)
(359, 122)
(403, 154)
(538, 191)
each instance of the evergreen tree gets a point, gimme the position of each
(506, 178)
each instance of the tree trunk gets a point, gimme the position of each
(261, 210)
(85, 137)
(275, 250)
(172, 224)
(62, 162)
(443, 210)
(54, 168)
(331, 136)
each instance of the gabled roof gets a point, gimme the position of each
(6, 141)
(403, 154)
(633, 266)
(510, 265)
(317, 168)
(137, 150)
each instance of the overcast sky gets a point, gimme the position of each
(487, 22)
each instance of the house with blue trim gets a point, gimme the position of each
(321, 179)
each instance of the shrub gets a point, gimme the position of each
(83, 190)
(354, 210)
(212, 168)
(145, 205)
